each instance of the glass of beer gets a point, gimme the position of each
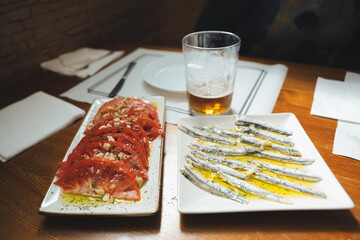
(210, 67)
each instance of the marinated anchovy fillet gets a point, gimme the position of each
(228, 162)
(245, 138)
(244, 121)
(252, 140)
(283, 149)
(210, 186)
(269, 145)
(200, 135)
(221, 132)
(223, 151)
(288, 184)
(213, 167)
(286, 171)
(249, 188)
(284, 158)
(267, 135)
(248, 139)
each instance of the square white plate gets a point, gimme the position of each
(149, 204)
(192, 199)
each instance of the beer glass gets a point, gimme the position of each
(210, 67)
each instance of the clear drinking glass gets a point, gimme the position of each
(210, 67)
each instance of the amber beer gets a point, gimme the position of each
(209, 96)
(209, 105)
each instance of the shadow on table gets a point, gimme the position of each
(302, 221)
(64, 225)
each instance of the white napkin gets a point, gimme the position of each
(347, 140)
(29, 121)
(83, 62)
(347, 135)
(337, 100)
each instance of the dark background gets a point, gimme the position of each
(33, 31)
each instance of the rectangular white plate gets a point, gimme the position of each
(192, 199)
(149, 204)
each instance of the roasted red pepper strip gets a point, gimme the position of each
(117, 137)
(95, 177)
(131, 140)
(125, 108)
(117, 151)
(128, 127)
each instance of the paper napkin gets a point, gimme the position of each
(337, 100)
(83, 62)
(347, 140)
(347, 135)
(31, 120)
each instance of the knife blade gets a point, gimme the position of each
(119, 85)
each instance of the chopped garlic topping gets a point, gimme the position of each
(106, 146)
(106, 197)
(109, 156)
(139, 181)
(110, 139)
(120, 155)
(99, 191)
(123, 110)
(90, 125)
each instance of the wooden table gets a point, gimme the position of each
(25, 179)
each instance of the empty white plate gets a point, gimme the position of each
(166, 73)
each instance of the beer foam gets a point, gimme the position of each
(209, 87)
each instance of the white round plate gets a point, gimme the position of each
(166, 73)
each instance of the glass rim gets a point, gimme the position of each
(211, 48)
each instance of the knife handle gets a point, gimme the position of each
(121, 82)
(117, 88)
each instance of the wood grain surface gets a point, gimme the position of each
(24, 180)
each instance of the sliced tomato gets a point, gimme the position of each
(96, 177)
